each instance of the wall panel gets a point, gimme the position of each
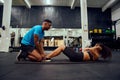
(62, 17)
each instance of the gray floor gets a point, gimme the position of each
(85, 71)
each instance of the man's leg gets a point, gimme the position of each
(35, 55)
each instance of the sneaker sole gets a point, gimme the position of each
(18, 55)
(46, 60)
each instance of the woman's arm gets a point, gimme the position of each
(93, 52)
(95, 56)
(86, 49)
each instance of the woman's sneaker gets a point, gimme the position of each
(47, 60)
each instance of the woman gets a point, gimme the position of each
(93, 53)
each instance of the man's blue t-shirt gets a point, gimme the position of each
(28, 39)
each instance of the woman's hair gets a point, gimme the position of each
(105, 52)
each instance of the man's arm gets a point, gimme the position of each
(41, 46)
(38, 44)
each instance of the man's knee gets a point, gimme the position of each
(39, 58)
(36, 55)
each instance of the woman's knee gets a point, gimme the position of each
(62, 47)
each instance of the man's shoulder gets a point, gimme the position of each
(37, 26)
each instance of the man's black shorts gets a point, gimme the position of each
(26, 49)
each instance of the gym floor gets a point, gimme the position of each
(83, 71)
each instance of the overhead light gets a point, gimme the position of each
(73, 4)
(1, 1)
(109, 4)
(69, 29)
(47, 2)
(27, 3)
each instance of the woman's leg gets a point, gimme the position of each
(56, 52)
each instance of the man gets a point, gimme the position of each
(32, 42)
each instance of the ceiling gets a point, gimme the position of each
(90, 3)
(76, 3)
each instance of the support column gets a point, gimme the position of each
(84, 22)
(5, 39)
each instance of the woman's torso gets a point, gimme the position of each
(90, 55)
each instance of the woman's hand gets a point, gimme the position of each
(86, 49)
(43, 56)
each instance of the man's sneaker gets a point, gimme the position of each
(20, 56)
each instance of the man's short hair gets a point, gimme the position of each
(47, 20)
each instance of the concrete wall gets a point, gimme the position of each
(116, 16)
